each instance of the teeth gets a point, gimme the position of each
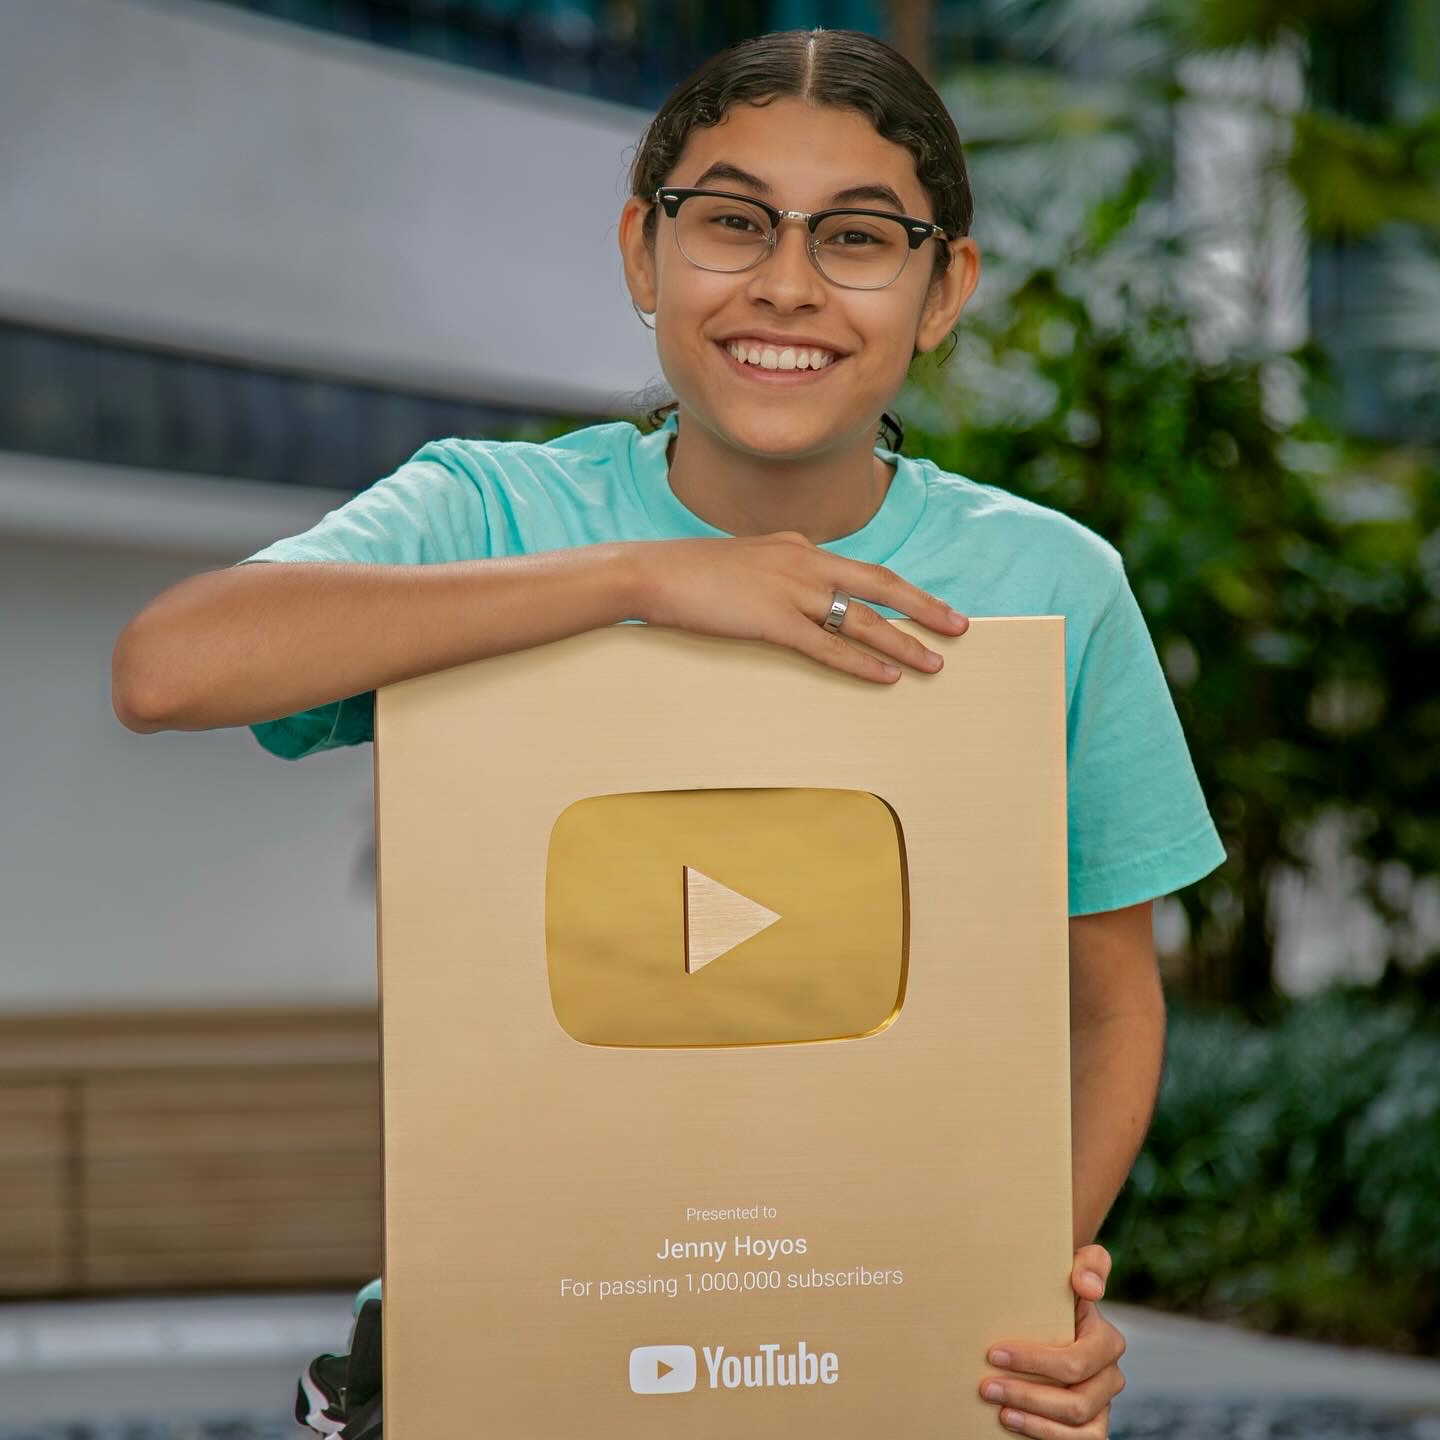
(769, 357)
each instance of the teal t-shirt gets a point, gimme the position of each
(1138, 823)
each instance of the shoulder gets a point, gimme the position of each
(573, 489)
(601, 446)
(1039, 549)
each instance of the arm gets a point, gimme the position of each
(1117, 1035)
(255, 642)
(1117, 1042)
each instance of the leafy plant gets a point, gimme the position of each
(1290, 573)
(1288, 1181)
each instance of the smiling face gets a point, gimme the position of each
(798, 156)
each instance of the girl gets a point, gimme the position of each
(798, 226)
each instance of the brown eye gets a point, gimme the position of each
(739, 222)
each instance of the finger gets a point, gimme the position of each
(1097, 1344)
(1019, 1422)
(829, 649)
(1072, 1406)
(863, 624)
(881, 584)
(1093, 1327)
(1091, 1269)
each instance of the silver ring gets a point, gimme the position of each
(838, 606)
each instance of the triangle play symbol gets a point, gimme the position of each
(717, 919)
(662, 1369)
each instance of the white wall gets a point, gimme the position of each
(192, 174)
(186, 174)
(168, 870)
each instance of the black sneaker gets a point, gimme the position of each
(320, 1397)
(365, 1425)
(340, 1394)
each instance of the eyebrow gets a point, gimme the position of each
(723, 170)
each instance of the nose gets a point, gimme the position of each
(786, 278)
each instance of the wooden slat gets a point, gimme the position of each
(158, 1233)
(163, 1151)
(30, 1120)
(249, 1087)
(34, 1214)
(161, 1040)
(339, 1266)
(125, 1137)
(196, 1138)
(241, 1179)
(33, 1272)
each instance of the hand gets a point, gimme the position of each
(1078, 1408)
(778, 588)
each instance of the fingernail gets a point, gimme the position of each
(956, 617)
(933, 660)
(1091, 1275)
(1012, 1418)
(999, 1357)
(992, 1391)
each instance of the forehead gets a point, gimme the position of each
(806, 153)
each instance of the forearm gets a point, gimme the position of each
(1115, 1065)
(256, 642)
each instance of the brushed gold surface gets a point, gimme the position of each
(522, 1166)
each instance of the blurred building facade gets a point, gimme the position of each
(247, 268)
(254, 256)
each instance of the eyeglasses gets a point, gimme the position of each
(859, 249)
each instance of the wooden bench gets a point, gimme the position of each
(188, 1150)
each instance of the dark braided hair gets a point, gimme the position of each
(845, 68)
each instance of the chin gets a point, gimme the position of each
(778, 436)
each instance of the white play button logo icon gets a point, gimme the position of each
(717, 919)
(662, 1369)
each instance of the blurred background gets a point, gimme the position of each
(254, 255)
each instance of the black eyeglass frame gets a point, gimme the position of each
(917, 231)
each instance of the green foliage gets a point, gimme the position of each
(1357, 178)
(1291, 578)
(1290, 575)
(1289, 1178)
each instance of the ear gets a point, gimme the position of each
(636, 255)
(947, 296)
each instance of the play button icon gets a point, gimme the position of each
(717, 919)
(753, 916)
(662, 1369)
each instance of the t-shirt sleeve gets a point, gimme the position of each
(428, 511)
(1139, 827)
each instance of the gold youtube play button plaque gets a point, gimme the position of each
(726, 917)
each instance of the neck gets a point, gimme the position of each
(824, 497)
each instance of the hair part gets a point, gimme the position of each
(847, 69)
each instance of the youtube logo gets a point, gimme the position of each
(759, 916)
(662, 1369)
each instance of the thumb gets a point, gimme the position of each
(1090, 1270)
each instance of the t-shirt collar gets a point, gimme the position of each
(875, 541)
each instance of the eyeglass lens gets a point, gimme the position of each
(860, 251)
